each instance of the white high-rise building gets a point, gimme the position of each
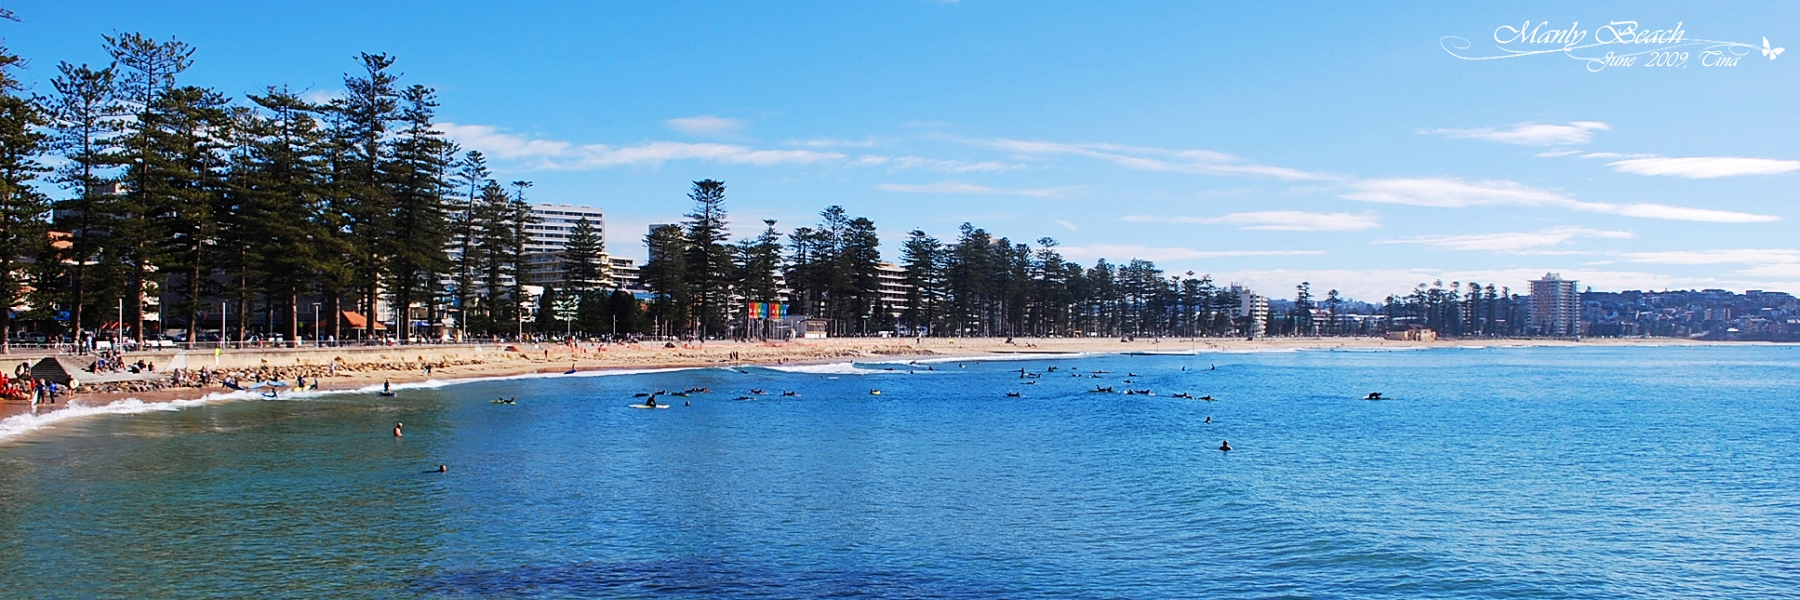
(557, 221)
(1253, 307)
(1555, 306)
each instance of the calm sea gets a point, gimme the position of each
(1490, 473)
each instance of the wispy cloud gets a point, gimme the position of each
(1121, 253)
(1716, 257)
(900, 163)
(1767, 264)
(1530, 134)
(561, 155)
(1070, 226)
(868, 142)
(1705, 167)
(321, 96)
(1153, 159)
(1446, 192)
(1515, 242)
(706, 126)
(957, 187)
(1276, 220)
(1294, 220)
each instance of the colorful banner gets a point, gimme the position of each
(765, 310)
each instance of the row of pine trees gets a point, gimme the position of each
(975, 285)
(183, 193)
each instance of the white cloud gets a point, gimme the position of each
(1531, 134)
(1705, 167)
(1276, 220)
(1294, 220)
(1069, 225)
(1121, 253)
(556, 154)
(899, 163)
(1716, 257)
(1683, 213)
(1154, 159)
(956, 187)
(868, 142)
(321, 96)
(1445, 192)
(1452, 193)
(706, 126)
(1770, 268)
(1516, 242)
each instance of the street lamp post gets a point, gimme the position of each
(315, 324)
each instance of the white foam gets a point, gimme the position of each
(25, 423)
(1010, 356)
(838, 368)
(21, 424)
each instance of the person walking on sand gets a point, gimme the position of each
(397, 427)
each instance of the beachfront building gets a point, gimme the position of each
(548, 269)
(1555, 308)
(894, 289)
(1253, 308)
(556, 222)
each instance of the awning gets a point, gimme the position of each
(358, 321)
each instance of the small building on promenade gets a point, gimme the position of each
(1414, 334)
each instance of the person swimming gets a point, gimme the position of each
(1225, 446)
(1209, 420)
(397, 427)
(443, 469)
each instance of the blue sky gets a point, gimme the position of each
(1330, 143)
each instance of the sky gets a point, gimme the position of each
(1363, 149)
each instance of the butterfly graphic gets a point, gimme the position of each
(1771, 52)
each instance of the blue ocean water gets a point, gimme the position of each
(1491, 473)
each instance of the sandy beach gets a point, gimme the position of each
(363, 367)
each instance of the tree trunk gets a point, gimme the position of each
(293, 302)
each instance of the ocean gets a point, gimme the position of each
(1486, 473)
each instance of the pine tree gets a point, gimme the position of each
(294, 243)
(150, 71)
(520, 218)
(583, 269)
(626, 313)
(188, 144)
(923, 256)
(22, 206)
(87, 121)
(494, 241)
(708, 261)
(666, 275)
(369, 111)
(417, 179)
(471, 173)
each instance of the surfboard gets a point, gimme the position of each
(647, 406)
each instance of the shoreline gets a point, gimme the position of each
(548, 360)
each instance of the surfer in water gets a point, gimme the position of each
(1209, 420)
(1225, 446)
(650, 402)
